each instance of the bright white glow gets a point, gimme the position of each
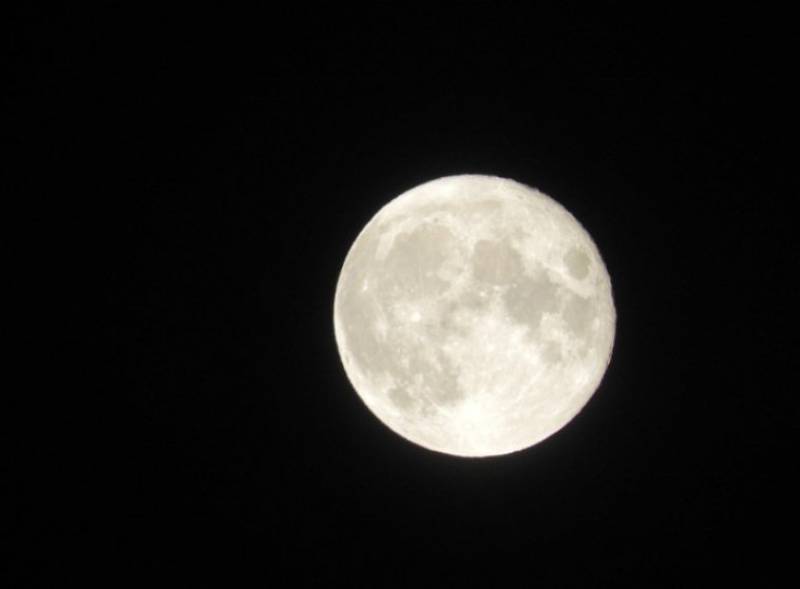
(474, 315)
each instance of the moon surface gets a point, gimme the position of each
(474, 315)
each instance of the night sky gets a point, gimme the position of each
(209, 173)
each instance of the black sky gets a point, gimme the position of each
(200, 178)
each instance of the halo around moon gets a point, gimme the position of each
(474, 315)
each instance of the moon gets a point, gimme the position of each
(474, 316)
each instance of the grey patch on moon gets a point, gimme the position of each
(400, 398)
(577, 263)
(551, 352)
(578, 314)
(495, 262)
(531, 297)
(413, 262)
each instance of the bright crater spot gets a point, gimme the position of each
(474, 315)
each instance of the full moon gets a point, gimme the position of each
(474, 315)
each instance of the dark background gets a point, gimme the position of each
(197, 179)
